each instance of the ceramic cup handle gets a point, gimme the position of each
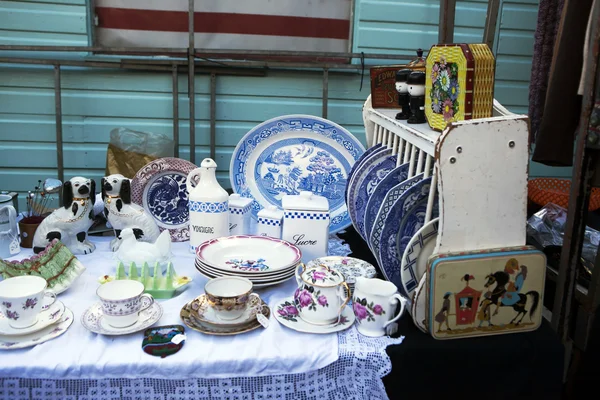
(260, 305)
(146, 300)
(48, 293)
(346, 295)
(190, 178)
(402, 302)
(298, 278)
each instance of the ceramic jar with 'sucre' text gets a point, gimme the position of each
(306, 223)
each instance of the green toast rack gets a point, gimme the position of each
(159, 286)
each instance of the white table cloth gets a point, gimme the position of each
(83, 365)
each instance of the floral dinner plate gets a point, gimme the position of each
(248, 253)
(287, 315)
(160, 187)
(294, 153)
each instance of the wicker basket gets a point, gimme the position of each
(542, 191)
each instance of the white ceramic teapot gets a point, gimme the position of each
(374, 301)
(9, 234)
(320, 297)
(208, 205)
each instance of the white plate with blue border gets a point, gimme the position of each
(416, 255)
(293, 153)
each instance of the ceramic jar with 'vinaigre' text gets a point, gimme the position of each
(306, 223)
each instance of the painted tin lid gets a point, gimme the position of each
(306, 201)
(237, 201)
(271, 212)
(322, 276)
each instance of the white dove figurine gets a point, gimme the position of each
(140, 252)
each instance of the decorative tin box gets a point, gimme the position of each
(239, 214)
(306, 223)
(459, 83)
(485, 292)
(270, 220)
(383, 80)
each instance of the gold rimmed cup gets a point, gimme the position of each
(228, 296)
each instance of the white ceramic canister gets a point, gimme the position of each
(208, 205)
(239, 214)
(270, 220)
(306, 224)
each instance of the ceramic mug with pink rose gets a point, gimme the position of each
(374, 303)
(322, 294)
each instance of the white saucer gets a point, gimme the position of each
(47, 317)
(205, 313)
(92, 319)
(286, 318)
(41, 336)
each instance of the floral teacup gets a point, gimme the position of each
(122, 301)
(373, 302)
(320, 296)
(22, 299)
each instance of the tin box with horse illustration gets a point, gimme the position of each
(485, 293)
(459, 83)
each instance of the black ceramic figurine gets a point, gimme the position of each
(403, 96)
(416, 89)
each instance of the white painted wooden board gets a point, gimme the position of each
(483, 193)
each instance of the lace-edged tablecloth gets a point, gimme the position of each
(276, 363)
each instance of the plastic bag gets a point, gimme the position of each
(129, 150)
(547, 227)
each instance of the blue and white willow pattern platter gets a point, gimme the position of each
(294, 153)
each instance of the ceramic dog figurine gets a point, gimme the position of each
(70, 223)
(121, 213)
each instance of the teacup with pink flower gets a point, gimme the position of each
(374, 303)
(321, 296)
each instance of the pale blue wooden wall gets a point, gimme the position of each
(96, 101)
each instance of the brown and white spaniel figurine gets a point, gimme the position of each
(121, 213)
(70, 223)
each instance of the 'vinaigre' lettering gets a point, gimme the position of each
(203, 229)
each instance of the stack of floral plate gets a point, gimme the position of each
(200, 316)
(52, 321)
(263, 260)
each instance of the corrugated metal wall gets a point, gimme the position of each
(96, 101)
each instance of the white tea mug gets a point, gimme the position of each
(374, 301)
(22, 298)
(122, 301)
(228, 296)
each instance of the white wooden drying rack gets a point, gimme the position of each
(478, 166)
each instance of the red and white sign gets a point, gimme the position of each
(284, 25)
